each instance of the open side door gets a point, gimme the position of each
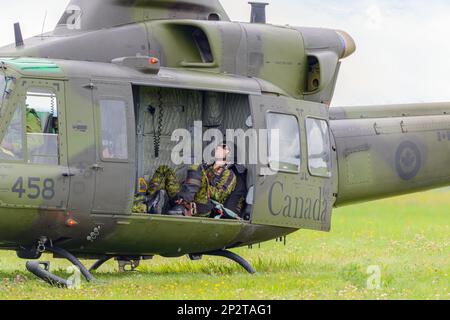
(294, 187)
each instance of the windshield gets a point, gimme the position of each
(2, 87)
(5, 88)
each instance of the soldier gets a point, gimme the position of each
(204, 184)
(163, 185)
(33, 121)
(164, 179)
(35, 138)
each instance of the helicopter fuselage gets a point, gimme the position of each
(111, 97)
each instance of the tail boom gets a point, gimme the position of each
(385, 151)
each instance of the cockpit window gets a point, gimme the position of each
(32, 134)
(319, 147)
(5, 88)
(2, 87)
(11, 148)
(42, 126)
(284, 142)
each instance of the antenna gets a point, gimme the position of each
(43, 25)
(18, 35)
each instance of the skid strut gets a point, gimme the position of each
(45, 274)
(232, 256)
(42, 271)
(99, 263)
(126, 263)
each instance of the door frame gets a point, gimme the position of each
(104, 90)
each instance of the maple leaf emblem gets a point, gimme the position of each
(408, 159)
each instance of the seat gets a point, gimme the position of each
(236, 201)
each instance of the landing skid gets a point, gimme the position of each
(133, 262)
(45, 274)
(42, 269)
(229, 255)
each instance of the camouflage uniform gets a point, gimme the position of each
(140, 204)
(163, 179)
(33, 122)
(202, 185)
(222, 184)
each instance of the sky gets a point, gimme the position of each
(403, 46)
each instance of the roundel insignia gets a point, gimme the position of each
(408, 160)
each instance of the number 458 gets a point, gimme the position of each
(35, 188)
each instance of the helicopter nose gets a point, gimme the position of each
(348, 44)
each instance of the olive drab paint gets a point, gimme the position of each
(83, 204)
(297, 207)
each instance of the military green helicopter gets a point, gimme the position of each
(113, 81)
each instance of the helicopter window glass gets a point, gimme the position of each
(11, 147)
(114, 130)
(42, 126)
(2, 88)
(284, 142)
(5, 88)
(319, 147)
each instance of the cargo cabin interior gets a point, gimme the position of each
(160, 111)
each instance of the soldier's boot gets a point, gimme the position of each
(159, 203)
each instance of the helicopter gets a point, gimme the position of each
(123, 76)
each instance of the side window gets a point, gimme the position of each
(319, 147)
(284, 142)
(11, 147)
(41, 114)
(113, 115)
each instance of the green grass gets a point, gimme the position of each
(407, 237)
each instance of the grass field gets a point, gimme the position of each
(407, 238)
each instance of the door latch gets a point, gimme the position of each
(68, 174)
(97, 167)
